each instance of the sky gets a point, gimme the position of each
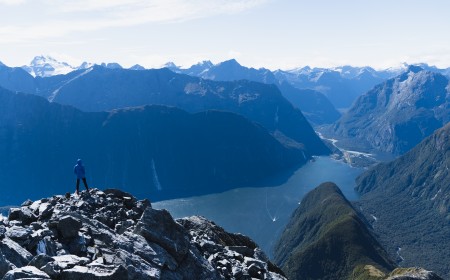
(275, 34)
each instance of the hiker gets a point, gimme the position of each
(80, 172)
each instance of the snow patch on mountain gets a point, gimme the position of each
(46, 66)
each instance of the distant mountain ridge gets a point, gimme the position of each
(399, 113)
(100, 89)
(315, 106)
(47, 66)
(155, 151)
(408, 202)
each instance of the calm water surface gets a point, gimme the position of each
(262, 213)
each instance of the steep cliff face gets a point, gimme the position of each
(154, 151)
(327, 239)
(396, 115)
(112, 235)
(408, 201)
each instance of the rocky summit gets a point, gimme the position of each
(111, 235)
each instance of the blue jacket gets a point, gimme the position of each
(79, 170)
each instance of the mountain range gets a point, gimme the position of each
(396, 115)
(100, 89)
(341, 85)
(313, 104)
(155, 151)
(407, 201)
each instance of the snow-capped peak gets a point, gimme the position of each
(45, 66)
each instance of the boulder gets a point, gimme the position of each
(118, 193)
(5, 265)
(26, 272)
(19, 234)
(2, 231)
(95, 272)
(158, 226)
(23, 214)
(14, 253)
(69, 226)
(40, 260)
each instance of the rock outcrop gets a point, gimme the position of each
(111, 235)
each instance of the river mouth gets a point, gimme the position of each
(263, 212)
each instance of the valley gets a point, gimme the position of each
(263, 212)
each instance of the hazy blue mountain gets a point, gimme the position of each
(101, 89)
(111, 65)
(314, 105)
(137, 67)
(407, 201)
(341, 85)
(16, 79)
(231, 70)
(196, 69)
(399, 113)
(155, 151)
(327, 239)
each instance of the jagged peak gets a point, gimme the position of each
(137, 67)
(230, 62)
(170, 65)
(414, 68)
(112, 65)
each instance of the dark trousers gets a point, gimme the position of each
(84, 182)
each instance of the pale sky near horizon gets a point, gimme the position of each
(276, 34)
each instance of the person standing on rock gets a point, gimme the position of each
(81, 174)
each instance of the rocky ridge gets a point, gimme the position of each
(111, 235)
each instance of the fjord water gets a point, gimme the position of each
(262, 213)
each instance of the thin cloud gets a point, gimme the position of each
(11, 2)
(65, 17)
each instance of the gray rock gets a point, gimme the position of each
(255, 272)
(5, 265)
(243, 250)
(14, 253)
(118, 193)
(40, 260)
(46, 246)
(23, 214)
(158, 226)
(2, 231)
(26, 272)
(19, 234)
(45, 211)
(69, 226)
(27, 202)
(97, 272)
